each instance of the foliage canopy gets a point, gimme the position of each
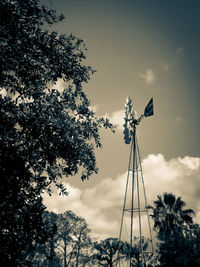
(45, 133)
(177, 233)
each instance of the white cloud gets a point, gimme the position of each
(117, 118)
(60, 85)
(83, 206)
(149, 76)
(180, 176)
(190, 163)
(94, 108)
(3, 92)
(101, 205)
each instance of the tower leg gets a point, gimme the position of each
(125, 197)
(132, 191)
(146, 204)
(139, 213)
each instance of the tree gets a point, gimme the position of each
(51, 222)
(173, 224)
(193, 245)
(74, 240)
(68, 242)
(45, 134)
(106, 251)
(109, 251)
(45, 254)
(21, 208)
(135, 253)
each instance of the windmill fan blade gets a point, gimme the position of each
(127, 137)
(149, 109)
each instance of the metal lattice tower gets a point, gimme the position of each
(135, 229)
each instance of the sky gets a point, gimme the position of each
(140, 49)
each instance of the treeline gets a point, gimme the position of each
(68, 241)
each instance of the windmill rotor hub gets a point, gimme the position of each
(135, 122)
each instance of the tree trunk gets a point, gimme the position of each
(111, 259)
(78, 251)
(65, 253)
(52, 253)
(79, 247)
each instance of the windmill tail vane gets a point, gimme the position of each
(148, 111)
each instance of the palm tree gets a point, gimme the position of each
(172, 223)
(169, 215)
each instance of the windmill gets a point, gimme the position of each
(135, 216)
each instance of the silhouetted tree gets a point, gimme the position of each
(68, 242)
(44, 133)
(193, 245)
(74, 240)
(175, 230)
(109, 251)
(50, 220)
(45, 254)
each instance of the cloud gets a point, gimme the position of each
(59, 85)
(149, 76)
(180, 52)
(190, 163)
(180, 176)
(3, 92)
(82, 203)
(117, 118)
(101, 205)
(94, 108)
